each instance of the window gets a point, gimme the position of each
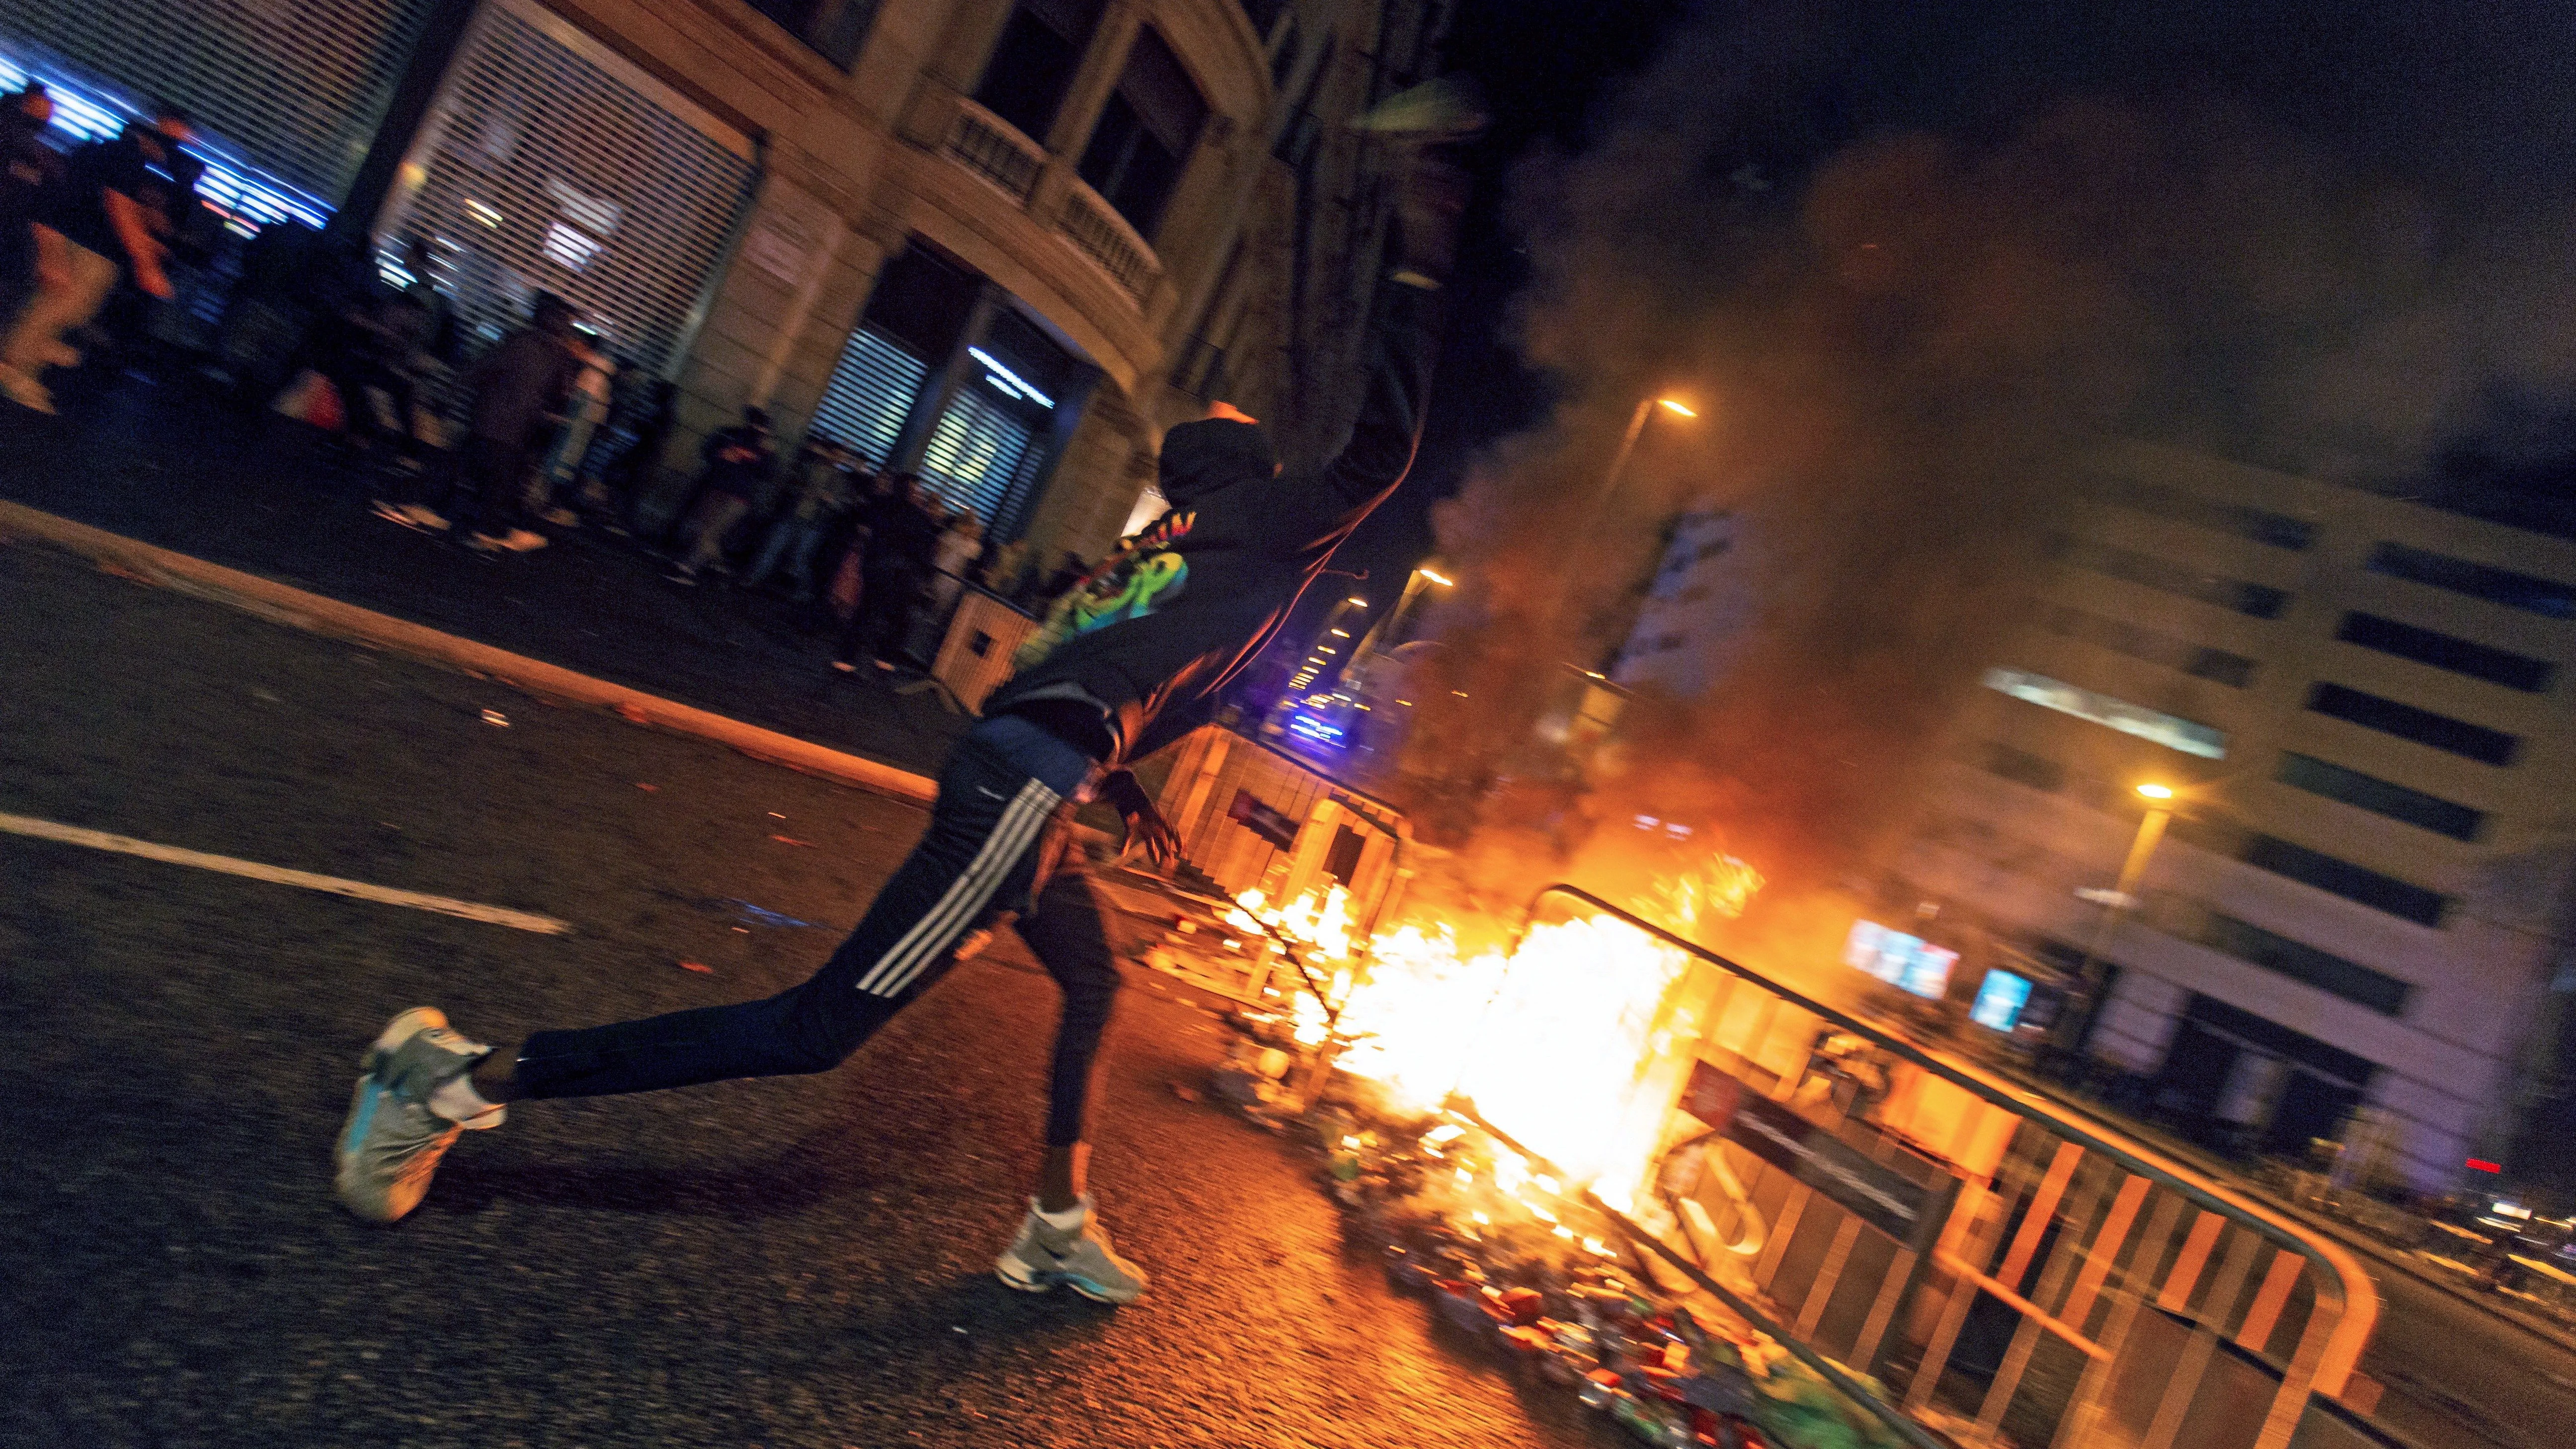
(2024, 768)
(2259, 600)
(2379, 797)
(2496, 666)
(2277, 529)
(1145, 134)
(1034, 61)
(2497, 586)
(2299, 961)
(2170, 731)
(2343, 878)
(2476, 742)
(871, 393)
(2201, 662)
(834, 28)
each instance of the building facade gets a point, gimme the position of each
(2361, 704)
(1004, 242)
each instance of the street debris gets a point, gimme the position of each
(792, 840)
(647, 789)
(763, 916)
(1528, 1271)
(700, 967)
(495, 717)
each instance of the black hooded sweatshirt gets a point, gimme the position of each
(1149, 637)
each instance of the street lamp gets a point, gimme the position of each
(1637, 426)
(2122, 897)
(1394, 619)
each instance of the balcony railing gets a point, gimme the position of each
(994, 149)
(1104, 236)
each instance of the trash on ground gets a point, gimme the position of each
(792, 840)
(495, 717)
(647, 789)
(763, 916)
(698, 966)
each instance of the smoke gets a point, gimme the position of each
(1901, 344)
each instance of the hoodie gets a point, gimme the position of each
(1151, 635)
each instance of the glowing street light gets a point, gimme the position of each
(2156, 792)
(1670, 405)
(1435, 577)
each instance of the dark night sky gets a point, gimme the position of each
(2470, 101)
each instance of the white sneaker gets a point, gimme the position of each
(392, 1141)
(1078, 1257)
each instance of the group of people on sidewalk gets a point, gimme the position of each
(81, 230)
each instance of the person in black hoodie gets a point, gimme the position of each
(1126, 663)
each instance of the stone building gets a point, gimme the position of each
(1004, 241)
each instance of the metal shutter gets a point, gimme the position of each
(977, 454)
(871, 393)
(550, 165)
(296, 86)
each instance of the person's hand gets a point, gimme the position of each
(1152, 836)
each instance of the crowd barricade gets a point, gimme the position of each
(984, 630)
(1251, 817)
(2009, 1270)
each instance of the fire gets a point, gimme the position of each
(1575, 1042)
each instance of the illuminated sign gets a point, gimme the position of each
(2000, 1000)
(1908, 963)
(2171, 731)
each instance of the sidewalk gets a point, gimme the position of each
(171, 468)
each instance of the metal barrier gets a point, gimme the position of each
(2010, 1271)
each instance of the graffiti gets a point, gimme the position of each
(1144, 574)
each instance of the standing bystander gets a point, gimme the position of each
(88, 228)
(737, 460)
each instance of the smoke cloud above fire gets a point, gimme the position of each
(1901, 336)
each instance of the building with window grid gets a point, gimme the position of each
(2361, 700)
(1001, 242)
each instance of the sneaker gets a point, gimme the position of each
(485, 543)
(1078, 1257)
(561, 517)
(426, 516)
(681, 576)
(523, 540)
(844, 666)
(393, 1141)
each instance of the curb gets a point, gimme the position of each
(314, 614)
(2398, 1261)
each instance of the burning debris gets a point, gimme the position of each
(1489, 1120)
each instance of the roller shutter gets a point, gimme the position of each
(551, 165)
(871, 393)
(295, 87)
(979, 455)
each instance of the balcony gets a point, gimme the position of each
(1100, 233)
(993, 149)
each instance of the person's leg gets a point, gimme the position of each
(997, 795)
(1064, 931)
(80, 288)
(773, 552)
(1061, 1241)
(800, 558)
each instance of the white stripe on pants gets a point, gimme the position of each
(966, 897)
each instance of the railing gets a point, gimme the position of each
(1100, 233)
(995, 150)
(2058, 1286)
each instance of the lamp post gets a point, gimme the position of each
(1636, 428)
(2122, 898)
(1386, 627)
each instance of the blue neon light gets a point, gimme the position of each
(1314, 729)
(231, 186)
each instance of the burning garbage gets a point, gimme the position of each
(1475, 1111)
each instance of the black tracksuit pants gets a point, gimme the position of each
(988, 851)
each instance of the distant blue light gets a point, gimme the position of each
(1314, 729)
